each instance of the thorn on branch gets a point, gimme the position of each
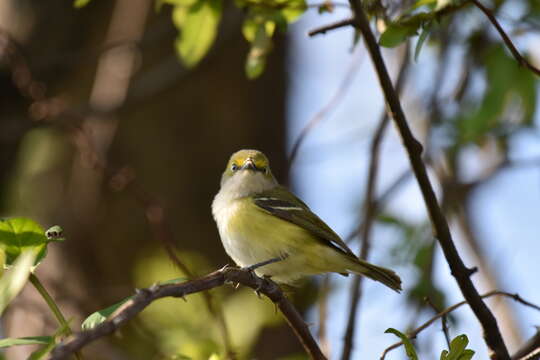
(471, 271)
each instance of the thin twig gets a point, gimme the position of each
(145, 297)
(54, 308)
(415, 332)
(508, 42)
(530, 349)
(441, 230)
(444, 321)
(370, 210)
(338, 96)
(335, 25)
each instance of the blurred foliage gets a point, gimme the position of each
(467, 117)
(198, 21)
(25, 243)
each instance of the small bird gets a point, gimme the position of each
(260, 221)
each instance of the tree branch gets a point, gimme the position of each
(415, 332)
(441, 230)
(336, 25)
(509, 44)
(530, 349)
(145, 297)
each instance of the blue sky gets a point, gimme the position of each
(330, 173)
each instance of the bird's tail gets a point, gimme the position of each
(377, 273)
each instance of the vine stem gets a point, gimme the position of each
(53, 306)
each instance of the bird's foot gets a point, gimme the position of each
(226, 267)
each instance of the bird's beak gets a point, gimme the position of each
(249, 165)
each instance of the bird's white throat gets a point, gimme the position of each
(245, 183)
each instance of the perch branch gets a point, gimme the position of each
(145, 297)
(441, 230)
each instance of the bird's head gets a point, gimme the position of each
(248, 166)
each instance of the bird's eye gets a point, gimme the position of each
(234, 167)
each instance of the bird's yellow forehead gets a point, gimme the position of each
(241, 156)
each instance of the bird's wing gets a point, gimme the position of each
(283, 204)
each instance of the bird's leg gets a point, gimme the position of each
(267, 262)
(252, 268)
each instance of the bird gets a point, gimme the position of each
(261, 222)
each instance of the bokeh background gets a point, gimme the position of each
(104, 132)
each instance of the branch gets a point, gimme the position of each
(509, 44)
(445, 312)
(370, 211)
(145, 297)
(336, 25)
(530, 349)
(441, 230)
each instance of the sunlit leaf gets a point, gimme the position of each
(421, 3)
(28, 340)
(292, 9)
(15, 278)
(80, 3)
(198, 29)
(20, 234)
(100, 316)
(409, 348)
(2, 260)
(256, 59)
(256, 22)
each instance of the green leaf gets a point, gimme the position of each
(292, 9)
(409, 348)
(395, 34)
(458, 349)
(43, 352)
(80, 3)
(421, 3)
(100, 316)
(20, 234)
(28, 340)
(421, 40)
(256, 59)
(256, 22)
(15, 278)
(198, 29)
(2, 260)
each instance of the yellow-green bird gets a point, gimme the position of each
(259, 220)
